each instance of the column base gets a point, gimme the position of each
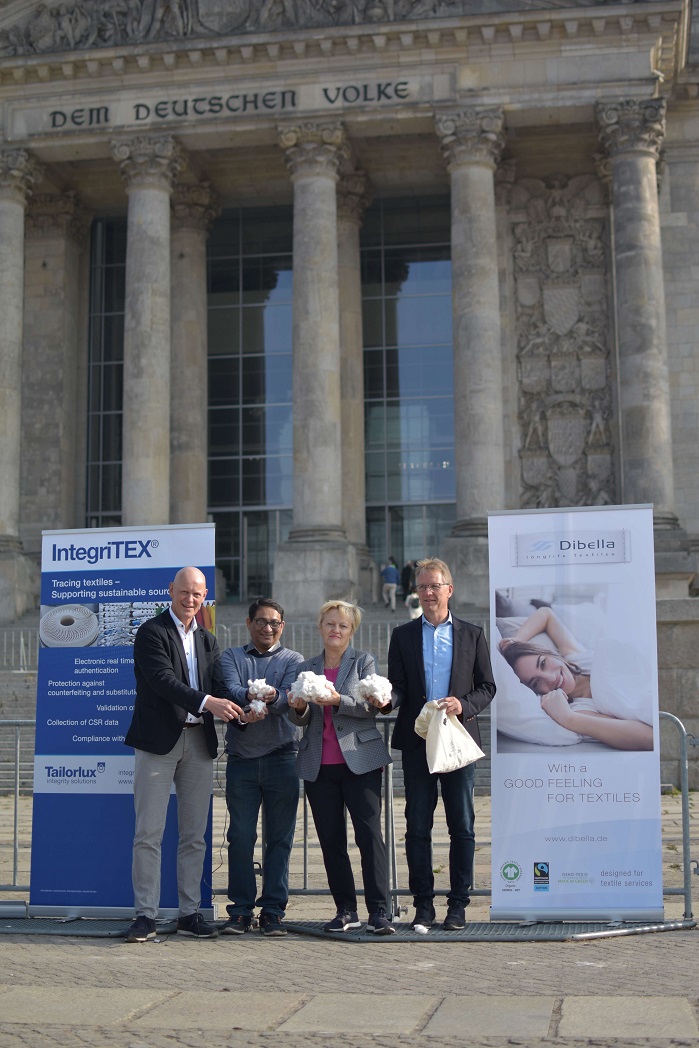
(466, 553)
(368, 577)
(676, 564)
(307, 574)
(20, 581)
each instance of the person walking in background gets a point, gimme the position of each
(391, 578)
(261, 771)
(407, 578)
(412, 603)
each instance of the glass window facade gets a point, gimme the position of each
(409, 423)
(105, 373)
(250, 432)
(408, 377)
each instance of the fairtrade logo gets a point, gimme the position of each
(541, 869)
(511, 872)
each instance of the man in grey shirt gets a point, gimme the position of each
(261, 770)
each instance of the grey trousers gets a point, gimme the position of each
(189, 766)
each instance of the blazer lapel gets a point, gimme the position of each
(347, 661)
(169, 623)
(457, 653)
(200, 649)
(417, 648)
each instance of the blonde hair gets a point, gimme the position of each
(351, 611)
(433, 564)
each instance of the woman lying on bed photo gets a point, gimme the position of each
(561, 677)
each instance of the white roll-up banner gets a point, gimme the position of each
(575, 740)
(97, 587)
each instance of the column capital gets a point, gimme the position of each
(314, 148)
(353, 196)
(148, 160)
(51, 215)
(194, 206)
(474, 135)
(19, 172)
(632, 126)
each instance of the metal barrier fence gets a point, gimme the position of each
(686, 739)
(19, 648)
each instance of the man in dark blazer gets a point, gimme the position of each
(178, 684)
(437, 657)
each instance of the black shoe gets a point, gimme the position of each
(455, 919)
(237, 925)
(271, 924)
(343, 921)
(423, 919)
(195, 925)
(379, 924)
(142, 929)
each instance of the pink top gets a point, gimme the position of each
(331, 752)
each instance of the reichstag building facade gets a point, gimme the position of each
(345, 275)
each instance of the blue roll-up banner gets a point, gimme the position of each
(97, 587)
(576, 825)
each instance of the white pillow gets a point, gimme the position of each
(517, 709)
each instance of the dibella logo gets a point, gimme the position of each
(116, 549)
(571, 547)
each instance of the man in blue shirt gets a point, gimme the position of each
(261, 771)
(391, 578)
(437, 657)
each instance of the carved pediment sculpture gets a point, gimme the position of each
(566, 417)
(83, 24)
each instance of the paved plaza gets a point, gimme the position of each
(73, 990)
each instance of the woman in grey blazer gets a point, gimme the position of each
(341, 759)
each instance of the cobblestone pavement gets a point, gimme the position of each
(293, 992)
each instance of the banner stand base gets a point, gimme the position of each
(611, 916)
(107, 913)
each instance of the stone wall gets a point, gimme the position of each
(680, 230)
(678, 681)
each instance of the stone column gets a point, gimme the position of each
(148, 166)
(472, 141)
(18, 174)
(632, 133)
(194, 208)
(55, 322)
(352, 200)
(318, 561)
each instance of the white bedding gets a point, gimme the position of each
(620, 679)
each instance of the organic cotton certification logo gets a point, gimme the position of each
(510, 872)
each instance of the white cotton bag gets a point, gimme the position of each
(449, 745)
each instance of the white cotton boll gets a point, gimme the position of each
(258, 705)
(310, 686)
(375, 686)
(259, 687)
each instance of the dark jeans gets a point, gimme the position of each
(272, 782)
(420, 803)
(335, 789)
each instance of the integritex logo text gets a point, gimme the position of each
(572, 547)
(114, 550)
